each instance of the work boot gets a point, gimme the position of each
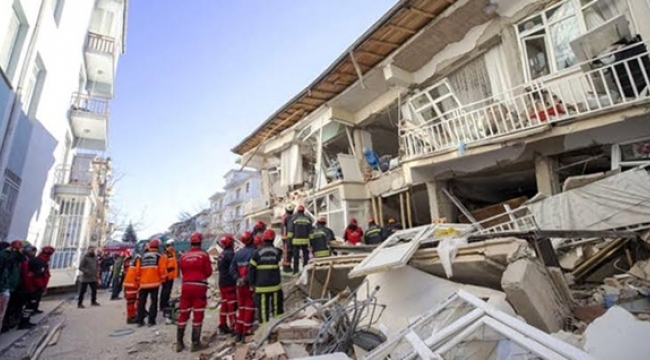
(239, 338)
(223, 328)
(94, 303)
(25, 324)
(180, 334)
(196, 339)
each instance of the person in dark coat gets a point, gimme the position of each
(227, 285)
(390, 228)
(89, 273)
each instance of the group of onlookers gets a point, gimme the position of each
(24, 276)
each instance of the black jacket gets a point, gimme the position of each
(373, 235)
(389, 229)
(264, 270)
(320, 240)
(223, 264)
(300, 230)
(240, 262)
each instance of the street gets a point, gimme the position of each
(102, 333)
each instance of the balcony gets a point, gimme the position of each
(256, 205)
(589, 90)
(89, 121)
(72, 181)
(100, 54)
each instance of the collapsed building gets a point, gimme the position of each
(509, 138)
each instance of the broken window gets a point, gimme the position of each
(331, 208)
(432, 104)
(631, 154)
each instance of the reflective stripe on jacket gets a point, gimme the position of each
(172, 264)
(320, 241)
(130, 278)
(264, 272)
(301, 230)
(373, 235)
(151, 269)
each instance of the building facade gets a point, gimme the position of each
(234, 209)
(485, 103)
(58, 60)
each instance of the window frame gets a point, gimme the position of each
(18, 41)
(33, 91)
(57, 10)
(617, 155)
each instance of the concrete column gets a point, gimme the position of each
(548, 181)
(439, 203)
(362, 139)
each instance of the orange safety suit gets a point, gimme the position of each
(131, 286)
(172, 273)
(151, 270)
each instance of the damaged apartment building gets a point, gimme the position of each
(454, 111)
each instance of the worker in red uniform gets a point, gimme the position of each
(264, 275)
(245, 301)
(151, 270)
(227, 285)
(353, 232)
(131, 285)
(286, 242)
(195, 268)
(39, 273)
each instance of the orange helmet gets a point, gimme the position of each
(154, 244)
(257, 240)
(269, 235)
(300, 208)
(246, 237)
(196, 238)
(227, 241)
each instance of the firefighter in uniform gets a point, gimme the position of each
(245, 301)
(168, 284)
(373, 233)
(151, 270)
(195, 268)
(227, 287)
(300, 232)
(264, 275)
(131, 287)
(286, 242)
(321, 238)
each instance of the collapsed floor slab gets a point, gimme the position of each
(618, 335)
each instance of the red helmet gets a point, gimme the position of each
(259, 225)
(257, 240)
(16, 244)
(322, 220)
(48, 250)
(300, 208)
(269, 235)
(246, 237)
(154, 244)
(227, 241)
(353, 221)
(196, 238)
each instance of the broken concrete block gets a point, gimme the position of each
(574, 182)
(275, 351)
(295, 351)
(533, 294)
(618, 335)
(300, 331)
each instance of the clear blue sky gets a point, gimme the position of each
(198, 76)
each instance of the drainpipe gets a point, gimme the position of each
(10, 131)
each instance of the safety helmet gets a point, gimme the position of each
(289, 208)
(16, 244)
(154, 244)
(227, 241)
(259, 225)
(269, 235)
(353, 221)
(196, 238)
(301, 208)
(371, 220)
(169, 242)
(246, 237)
(257, 240)
(48, 250)
(391, 220)
(322, 220)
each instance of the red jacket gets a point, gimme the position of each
(27, 281)
(39, 271)
(195, 266)
(353, 236)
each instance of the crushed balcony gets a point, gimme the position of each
(609, 82)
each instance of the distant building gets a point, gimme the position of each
(231, 209)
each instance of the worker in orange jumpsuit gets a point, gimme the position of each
(131, 286)
(227, 285)
(168, 284)
(195, 268)
(245, 299)
(151, 269)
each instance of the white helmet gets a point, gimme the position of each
(169, 242)
(289, 208)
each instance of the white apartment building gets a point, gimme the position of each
(233, 210)
(492, 101)
(58, 60)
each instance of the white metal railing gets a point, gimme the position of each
(519, 219)
(96, 105)
(69, 175)
(535, 104)
(100, 43)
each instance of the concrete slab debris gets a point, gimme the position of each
(335, 356)
(294, 351)
(275, 351)
(531, 291)
(617, 335)
(298, 331)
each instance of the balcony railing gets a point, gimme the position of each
(95, 105)
(71, 176)
(600, 88)
(100, 43)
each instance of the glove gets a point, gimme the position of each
(240, 282)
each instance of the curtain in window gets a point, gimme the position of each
(598, 13)
(472, 83)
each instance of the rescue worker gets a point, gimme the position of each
(258, 229)
(196, 268)
(265, 276)
(151, 269)
(10, 260)
(168, 284)
(300, 232)
(245, 301)
(39, 272)
(373, 235)
(353, 232)
(286, 243)
(390, 228)
(227, 285)
(321, 238)
(131, 287)
(257, 241)
(27, 289)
